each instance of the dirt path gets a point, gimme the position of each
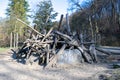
(11, 70)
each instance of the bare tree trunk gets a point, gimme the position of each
(119, 12)
(81, 39)
(68, 26)
(11, 38)
(96, 32)
(59, 26)
(91, 27)
(17, 40)
(113, 12)
(47, 61)
(14, 40)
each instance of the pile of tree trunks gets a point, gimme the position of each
(112, 53)
(46, 47)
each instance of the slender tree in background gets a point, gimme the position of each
(17, 9)
(44, 15)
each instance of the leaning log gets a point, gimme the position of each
(53, 61)
(29, 26)
(60, 23)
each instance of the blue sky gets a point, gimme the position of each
(3, 6)
(59, 6)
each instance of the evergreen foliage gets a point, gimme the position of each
(45, 15)
(17, 9)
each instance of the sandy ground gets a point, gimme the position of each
(12, 70)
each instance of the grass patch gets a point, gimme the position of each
(3, 49)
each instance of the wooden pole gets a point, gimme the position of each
(47, 34)
(67, 22)
(91, 27)
(11, 38)
(47, 61)
(14, 40)
(60, 22)
(81, 39)
(17, 40)
(29, 26)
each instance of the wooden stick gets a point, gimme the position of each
(47, 61)
(47, 34)
(63, 35)
(68, 26)
(14, 40)
(59, 26)
(104, 52)
(83, 55)
(11, 40)
(29, 26)
(17, 37)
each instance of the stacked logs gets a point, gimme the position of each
(46, 47)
